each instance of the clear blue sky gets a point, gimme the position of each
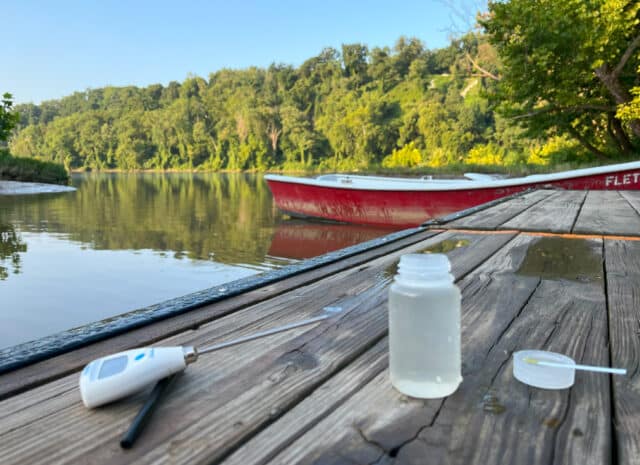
(53, 48)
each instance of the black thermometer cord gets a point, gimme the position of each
(143, 416)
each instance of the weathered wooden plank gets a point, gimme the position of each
(221, 400)
(492, 418)
(633, 197)
(53, 399)
(557, 213)
(607, 213)
(261, 448)
(51, 425)
(623, 286)
(55, 367)
(494, 217)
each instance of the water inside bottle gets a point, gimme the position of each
(424, 340)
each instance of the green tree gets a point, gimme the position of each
(567, 66)
(354, 60)
(382, 69)
(8, 119)
(407, 50)
(298, 137)
(629, 112)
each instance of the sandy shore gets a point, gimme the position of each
(22, 188)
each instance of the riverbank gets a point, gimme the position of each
(31, 170)
(24, 188)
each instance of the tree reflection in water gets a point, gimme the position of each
(227, 218)
(10, 247)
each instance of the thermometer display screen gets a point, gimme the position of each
(112, 366)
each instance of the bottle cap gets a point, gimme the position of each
(540, 375)
(421, 262)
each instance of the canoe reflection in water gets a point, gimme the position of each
(297, 239)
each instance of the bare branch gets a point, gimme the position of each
(552, 109)
(626, 56)
(586, 143)
(616, 132)
(483, 72)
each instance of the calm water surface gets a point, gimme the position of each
(125, 241)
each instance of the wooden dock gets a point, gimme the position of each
(552, 270)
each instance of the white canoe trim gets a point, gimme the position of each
(356, 182)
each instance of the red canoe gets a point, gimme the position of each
(406, 202)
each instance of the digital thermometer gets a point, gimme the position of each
(119, 375)
(110, 378)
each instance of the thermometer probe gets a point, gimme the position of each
(119, 375)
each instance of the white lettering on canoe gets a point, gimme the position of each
(622, 180)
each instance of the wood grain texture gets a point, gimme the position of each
(633, 197)
(623, 284)
(557, 213)
(494, 217)
(607, 213)
(62, 365)
(265, 445)
(492, 418)
(226, 398)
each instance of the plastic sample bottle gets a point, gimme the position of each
(424, 327)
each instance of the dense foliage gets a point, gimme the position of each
(570, 67)
(32, 170)
(348, 110)
(23, 169)
(8, 120)
(549, 81)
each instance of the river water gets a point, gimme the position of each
(125, 241)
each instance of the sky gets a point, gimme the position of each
(52, 48)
